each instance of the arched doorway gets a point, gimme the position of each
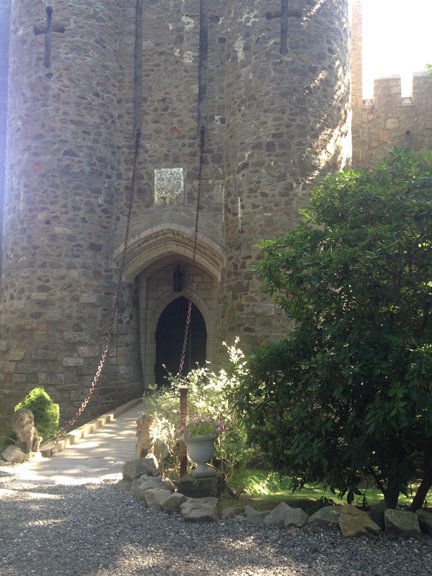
(169, 340)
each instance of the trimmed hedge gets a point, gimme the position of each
(46, 412)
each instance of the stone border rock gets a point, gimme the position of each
(141, 478)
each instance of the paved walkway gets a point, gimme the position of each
(99, 456)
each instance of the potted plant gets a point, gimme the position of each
(199, 435)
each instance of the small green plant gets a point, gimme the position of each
(46, 412)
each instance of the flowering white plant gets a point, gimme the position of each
(211, 395)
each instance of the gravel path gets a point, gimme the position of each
(99, 530)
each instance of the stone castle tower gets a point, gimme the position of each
(244, 103)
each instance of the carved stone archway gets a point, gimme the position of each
(161, 241)
(153, 257)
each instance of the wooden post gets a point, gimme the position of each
(183, 417)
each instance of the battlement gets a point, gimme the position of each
(401, 91)
(390, 119)
(397, 113)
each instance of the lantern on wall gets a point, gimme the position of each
(178, 280)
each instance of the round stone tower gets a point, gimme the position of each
(287, 116)
(266, 82)
(58, 277)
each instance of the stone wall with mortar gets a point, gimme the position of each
(58, 279)
(181, 91)
(268, 83)
(389, 120)
(287, 117)
(170, 121)
(4, 52)
(274, 122)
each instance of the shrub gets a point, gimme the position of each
(348, 393)
(46, 413)
(210, 393)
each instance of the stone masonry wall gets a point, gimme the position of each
(172, 63)
(267, 80)
(287, 125)
(388, 120)
(183, 83)
(58, 275)
(4, 50)
(219, 65)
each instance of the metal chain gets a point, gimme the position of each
(195, 246)
(116, 304)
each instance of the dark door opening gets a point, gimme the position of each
(169, 340)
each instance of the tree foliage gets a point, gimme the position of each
(348, 393)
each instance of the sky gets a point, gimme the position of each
(397, 39)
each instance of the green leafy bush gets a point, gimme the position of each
(348, 393)
(46, 412)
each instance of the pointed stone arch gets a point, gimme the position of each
(158, 242)
(150, 317)
(170, 331)
(152, 258)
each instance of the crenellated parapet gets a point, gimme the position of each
(390, 119)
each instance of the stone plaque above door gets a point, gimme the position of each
(168, 186)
